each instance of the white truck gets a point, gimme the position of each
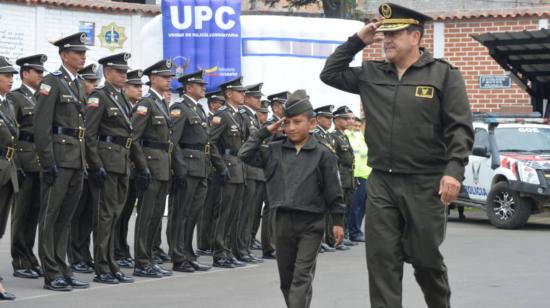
(508, 174)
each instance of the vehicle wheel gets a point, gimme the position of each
(506, 209)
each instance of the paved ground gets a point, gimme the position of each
(488, 268)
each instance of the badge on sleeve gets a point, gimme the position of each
(216, 120)
(175, 113)
(142, 110)
(93, 102)
(45, 89)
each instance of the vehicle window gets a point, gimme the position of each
(523, 139)
(481, 138)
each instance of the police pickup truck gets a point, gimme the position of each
(508, 173)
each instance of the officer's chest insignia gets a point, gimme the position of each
(425, 91)
(45, 89)
(93, 102)
(141, 110)
(175, 113)
(216, 120)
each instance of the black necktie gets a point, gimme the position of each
(77, 87)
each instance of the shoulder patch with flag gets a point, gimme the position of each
(216, 120)
(175, 113)
(93, 102)
(45, 89)
(141, 110)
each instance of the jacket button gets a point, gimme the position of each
(110, 148)
(63, 141)
(149, 157)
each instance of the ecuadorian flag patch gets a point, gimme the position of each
(93, 102)
(175, 113)
(141, 110)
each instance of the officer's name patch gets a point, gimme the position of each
(141, 110)
(175, 113)
(425, 91)
(45, 89)
(93, 102)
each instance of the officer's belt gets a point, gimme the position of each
(24, 136)
(199, 147)
(7, 153)
(72, 132)
(166, 146)
(231, 152)
(122, 141)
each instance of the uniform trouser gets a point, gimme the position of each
(187, 209)
(171, 221)
(151, 209)
(298, 237)
(59, 203)
(6, 199)
(111, 201)
(243, 228)
(268, 245)
(24, 222)
(258, 213)
(329, 221)
(205, 223)
(122, 249)
(231, 198)
(405, 222)
(356, 212)
(81, 227)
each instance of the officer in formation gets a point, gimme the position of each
(420, 102)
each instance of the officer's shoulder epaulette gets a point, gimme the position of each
(315, 131)
(100, 87)
(56, 73)
(242, 110)
(222, 108)
(146, 95)
(442, 60)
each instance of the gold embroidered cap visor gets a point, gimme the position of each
(397, 17)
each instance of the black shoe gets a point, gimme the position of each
(148, 272)
(359, 238)
(184, 267)
(258, 260)
(125, 263)
(122, 278)
(327, 247)
(461, 217)
(76, 283)
(82, 267)
(236, 262)
(164, 272)
(202, 252)
(26, 273)
(58, 284)
(321, 249)
(38, 270)
(6, 296)
(164, 256)
(107, 278)
(223, 263)
(199, 266)
(157, 260)
(342, 247)
(270, 255)
(91, 264)
(247, 259)
(348, 242)
(256, 245)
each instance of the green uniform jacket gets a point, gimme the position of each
(8, 135)
(325, 138)
(346, 160)
(251, 126)
(227, 136)
(108, 130)
(60, 104)
(151, 123)
(190, 133)
(419, 124)
(23, 106)
(307, 181)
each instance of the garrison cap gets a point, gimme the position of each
(6, 67)
(297, 103)
(118, 61)
(75, 42)
(324, 111)
(342, 112)
(134, 77)
(36, 62)
(280, 97)
(215, 96)
(234, 84)
(254, 90)
(397, 17)
(89, 72)
(195, 77)
(264, 106)
(161, 68)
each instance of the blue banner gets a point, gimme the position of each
(203, 34)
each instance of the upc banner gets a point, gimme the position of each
(203, 34)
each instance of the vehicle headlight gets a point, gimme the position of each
(528, 174)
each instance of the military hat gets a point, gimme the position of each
(161, 68)
(195, 77)
(280, 97)
(254, 90)
(118, 61)
(134, 77)
(6, 67)
(215, 96)
(89, 72)
(233, 84)
(264, 105)
(397, 17)
(35, 62)
(324, 111)
(297, 103)
(342, 112)
(75, 42)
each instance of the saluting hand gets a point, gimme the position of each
(449, 188)
(276, 127)
(368, 33)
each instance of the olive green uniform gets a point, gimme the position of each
(108, 142)
(27, 206)
(151, 149)
(346, 161)
(59, 139)
(419, 129)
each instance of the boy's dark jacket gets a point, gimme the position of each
(307, 181)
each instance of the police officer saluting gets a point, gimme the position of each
(27, 206)
(419, 137)
(59, 139)
(151, 153)
(108, 142)
(191, 165)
